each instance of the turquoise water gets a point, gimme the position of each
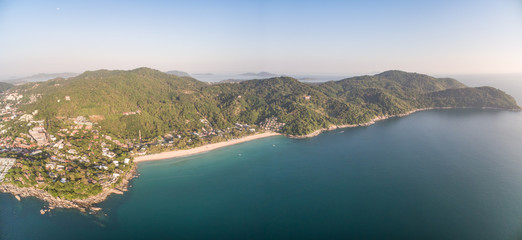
(445, 174)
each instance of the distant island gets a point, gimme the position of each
(178, 73)
(259, 74)
(204, 74)
(40, 77)
(72, 142)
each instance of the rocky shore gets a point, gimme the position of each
(83, 205)
(379, 118)
(372, 121)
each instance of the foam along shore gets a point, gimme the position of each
(202, 149)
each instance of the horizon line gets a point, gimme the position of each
(325, 74)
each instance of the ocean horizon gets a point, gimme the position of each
(260, 120)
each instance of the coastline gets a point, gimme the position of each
(213, 146)
(380, 118)
(202, 149)
(371, 122)
(87, 204)
(83, 205)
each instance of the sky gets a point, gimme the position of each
(284, 36)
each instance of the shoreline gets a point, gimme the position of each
(83, 205)
(371, 122)
(87, 204)
(201, 149)
(384, 117)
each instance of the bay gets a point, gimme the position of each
(441, 174)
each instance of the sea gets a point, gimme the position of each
(439, 174)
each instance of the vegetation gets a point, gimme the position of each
(160, 103)
(5, 86)
(470, 97)
(90, 126)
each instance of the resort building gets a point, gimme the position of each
(5, 165)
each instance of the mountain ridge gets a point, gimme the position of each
(179, 73)
(170, 103)
(40, 77)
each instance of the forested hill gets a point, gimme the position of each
(153, 102)
(5, 86)
(392, 92)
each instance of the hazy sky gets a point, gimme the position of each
(293, 37)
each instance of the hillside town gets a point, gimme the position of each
(73, 158)
(70, 159)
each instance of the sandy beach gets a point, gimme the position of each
(202, 149)
(210, 147)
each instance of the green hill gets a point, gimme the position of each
(153, 102)
(387, 93)
(5, 86)
(178, 73)
(162, 99)
(481, 97)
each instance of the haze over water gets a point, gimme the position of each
(445, 174)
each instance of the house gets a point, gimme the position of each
(36, 152)
(26, 118)
(26, 146)
(39, 134)
(109, 154)
(102, 167)
(115, 177)
(60, 167)
(67, 98)
(84, 159)
(50, 166)
(40, 180)
(307, 97)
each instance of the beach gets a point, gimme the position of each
(202, 149)
(213, 146)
